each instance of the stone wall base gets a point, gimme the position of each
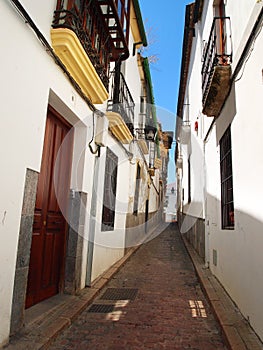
(195, 234)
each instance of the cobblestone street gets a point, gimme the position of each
(153, 302)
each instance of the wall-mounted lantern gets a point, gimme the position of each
(150, 132)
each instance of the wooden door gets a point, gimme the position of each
(49, 228)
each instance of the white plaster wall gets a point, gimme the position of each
(185, 155)
(132, 175)
(132, 77)
(29, 83)
(239, 251)
(193, 113)
(143, 190)
(153, 194)
(195, 208)
(212, 197)
(239, 266)
(245, 15)
(21, 137)
(109, 245)
(42, 14)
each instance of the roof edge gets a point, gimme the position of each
(186, 53)
(138, 14)
(199, 4)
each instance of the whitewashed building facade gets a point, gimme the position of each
(72, 107)
(218, 156)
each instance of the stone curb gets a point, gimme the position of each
(236, 330)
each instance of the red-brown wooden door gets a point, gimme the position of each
(46, 268)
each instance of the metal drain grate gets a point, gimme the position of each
(101, 308)
(119, 294)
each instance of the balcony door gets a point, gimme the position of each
(49, 229)
(221, 40)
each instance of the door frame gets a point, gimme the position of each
(53, 118)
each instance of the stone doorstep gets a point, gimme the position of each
(236, 330)
(42, 328)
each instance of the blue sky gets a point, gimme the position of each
(164, 24)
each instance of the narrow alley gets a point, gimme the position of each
(119, 115)
(153, 302)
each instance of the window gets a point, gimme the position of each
(137, 190)
(189, 180)
(151, 146)
(109, 198)
(227, 198)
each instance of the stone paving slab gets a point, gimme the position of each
(170, 311)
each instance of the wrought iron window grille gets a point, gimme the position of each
(121, 100)
(227, 198)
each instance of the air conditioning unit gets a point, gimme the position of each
(101, 132)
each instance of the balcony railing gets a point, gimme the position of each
(218, 54)
(121, 100)
(101, 27)
(116, 14)
(140, 129)
(167, 139)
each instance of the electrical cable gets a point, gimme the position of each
(248, 50)
(242, 61)
(28, 20)
(92, 138)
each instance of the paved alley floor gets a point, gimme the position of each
(153, 302)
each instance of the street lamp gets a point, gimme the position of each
(150, 132)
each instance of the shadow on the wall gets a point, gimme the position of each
(234, 255)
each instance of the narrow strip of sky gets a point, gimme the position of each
(164, 25)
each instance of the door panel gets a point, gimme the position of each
(49, 228)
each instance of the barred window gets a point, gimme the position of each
(137, 190)
(227, 198)
(189, 180)
(109, 198)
